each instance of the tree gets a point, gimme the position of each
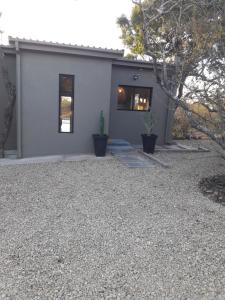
(132, 35)
(10, 102)
(184, 40)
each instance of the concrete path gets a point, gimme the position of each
(133, 156)
(128, 155)
(50, 159)
(133, 159)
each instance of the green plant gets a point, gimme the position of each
(181, 125)
(102, 123)
(149, 122)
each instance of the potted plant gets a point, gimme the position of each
(149, 139)
(100, 140)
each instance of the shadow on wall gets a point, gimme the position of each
(8, 112)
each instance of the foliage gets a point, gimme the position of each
(181, 126)
(132, 31)
(214, 188)
(10, 103)
(184, 40)
(66, 108)
(149, 121)
(102, 123)
(172, 26)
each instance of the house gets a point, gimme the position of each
(61, 90)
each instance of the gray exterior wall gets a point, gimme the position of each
(40, 102)
(35, 67)
(129, 124)
(10, 62)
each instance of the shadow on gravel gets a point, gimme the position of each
(214, 188)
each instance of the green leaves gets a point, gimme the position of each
(149, 121)
(101, 123)
(132, 34)
(187, 28)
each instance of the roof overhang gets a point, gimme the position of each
(68, 49)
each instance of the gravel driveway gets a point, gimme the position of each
(97, 230)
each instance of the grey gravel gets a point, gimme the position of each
(98, 230)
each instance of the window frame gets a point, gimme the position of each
(71, 94)
(133, 93)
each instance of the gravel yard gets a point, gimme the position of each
(98, 230)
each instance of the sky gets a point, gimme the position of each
(81, 22)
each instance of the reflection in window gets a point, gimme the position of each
(134, 98)
(66, 103)
(125, 98)
(66, 114)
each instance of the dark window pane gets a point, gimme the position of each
(66, 84)
(125, 98)
(133, 98)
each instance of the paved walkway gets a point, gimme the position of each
(132, 159)
(128, 155)
(50, 159)
(131, 156)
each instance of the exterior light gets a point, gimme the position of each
(136, 76)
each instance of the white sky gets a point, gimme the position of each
(86, 22)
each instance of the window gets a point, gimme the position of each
(66, 103)
(134, 98)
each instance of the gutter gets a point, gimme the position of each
(50, 47)
(18, 100)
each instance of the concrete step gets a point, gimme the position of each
(119, 145)
(118, 149)
(118, 142)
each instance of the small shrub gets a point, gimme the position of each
(149, 122)
(181, 128)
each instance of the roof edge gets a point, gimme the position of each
(31, 42)
(126, 62)
(8, 49)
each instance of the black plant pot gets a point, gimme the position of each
(100, 144)
(149, 142)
